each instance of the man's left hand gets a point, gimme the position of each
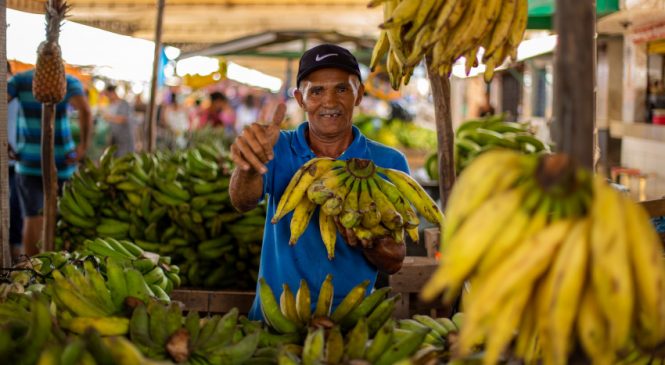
(76, 155)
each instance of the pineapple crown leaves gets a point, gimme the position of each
(56, 11)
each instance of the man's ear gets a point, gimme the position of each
(361, 92)
(299, 98)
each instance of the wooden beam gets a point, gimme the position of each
(49, 177)
(574, 70)
(152, 117)
(444, 132)
(5, 251)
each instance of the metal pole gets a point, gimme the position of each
(152, 117)
(574, 70)
(5, 252)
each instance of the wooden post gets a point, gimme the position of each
(5, 252)
(49, 177)
(574, 70)
(444, 132)
(152, 115)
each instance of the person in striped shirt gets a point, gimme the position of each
(28, 150)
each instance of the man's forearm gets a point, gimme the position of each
(245, 189)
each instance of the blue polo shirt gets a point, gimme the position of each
(308, 259)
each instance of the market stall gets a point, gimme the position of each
(521, 230)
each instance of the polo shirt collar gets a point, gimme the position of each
(357, 148)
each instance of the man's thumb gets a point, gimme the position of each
(280, 113)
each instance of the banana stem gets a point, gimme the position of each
(359, 168)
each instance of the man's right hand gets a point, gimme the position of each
(253, 148)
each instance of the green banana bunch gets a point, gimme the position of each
(474, 137)
(166, 203)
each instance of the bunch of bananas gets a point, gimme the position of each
(446, 31)
(565, 254)
(293, 313)
(474, 137)
(355, 200)
(157, 271)
(173, 203)
(416, 341)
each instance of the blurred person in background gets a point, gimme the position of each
(219, 113)
(139, 109)
(15, 220)
(28, 177)
(117, 114)
(247, 113)
(176, 119)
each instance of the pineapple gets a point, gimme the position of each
(49, 84)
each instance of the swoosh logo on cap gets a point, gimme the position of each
(320, 58)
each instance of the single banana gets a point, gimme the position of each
(324, 301)
(271, 310)
(303, 302)
(350, 302)
(328, 233)
(287, 303)
(300, 220)
(298, 185)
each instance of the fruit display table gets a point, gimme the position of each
(214, 301)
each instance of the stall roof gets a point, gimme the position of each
(216, 21)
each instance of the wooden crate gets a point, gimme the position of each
(432, 239)
(408, 281)
(214, 301)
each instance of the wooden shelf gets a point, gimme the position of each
(652, 132)
(214, 301)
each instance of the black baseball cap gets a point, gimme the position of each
(326, 56)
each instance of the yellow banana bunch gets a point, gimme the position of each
(293, 314)
(574, 263)
(355, 199)
(447, 31)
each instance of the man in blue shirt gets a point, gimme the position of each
(329, 88)
(28, 150)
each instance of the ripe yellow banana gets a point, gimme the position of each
(328, 232)
(490, 173)
(501, 28)
(466, 247)
(519, 23)
(415, 194)
(380, 49)
(304, 302)
(300, 220)
(401, 14)
(370, 213)
(298, 185)
(611, 272)
(562, 290)
(389, 215)
(350, 211)
(287, 304)
(649, 277)
(592, 329)
(324, 301)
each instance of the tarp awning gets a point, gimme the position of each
(541, 12)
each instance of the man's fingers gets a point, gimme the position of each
(249, 156)
(252, 142)
(237, 158)
(259, 133)
(280, 113)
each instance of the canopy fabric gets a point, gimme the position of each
(541, 12)
(216, 21)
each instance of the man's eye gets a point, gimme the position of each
(342, 89)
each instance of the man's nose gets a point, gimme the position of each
(330, 98)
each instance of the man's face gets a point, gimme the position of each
(329, 96)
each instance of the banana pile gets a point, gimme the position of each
(355, 200)
(30, 334)
(173, 203)
(163, 333)
(566, 255)
(446, 31)
(474, 137)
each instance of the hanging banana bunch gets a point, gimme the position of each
(447, 30)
